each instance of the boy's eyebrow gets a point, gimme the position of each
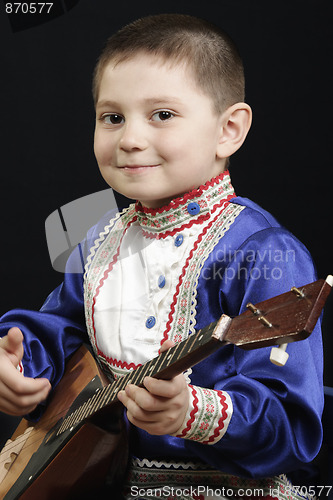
(105, 102)
(162, 100)
(153, 101)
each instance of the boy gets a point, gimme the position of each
(170, 111)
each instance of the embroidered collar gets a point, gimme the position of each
(192, 208)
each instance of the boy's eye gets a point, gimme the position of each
(161, 116)
(112, 119)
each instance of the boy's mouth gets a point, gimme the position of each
(138, 168)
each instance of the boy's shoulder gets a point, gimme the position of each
(256, 226)
(255, 214)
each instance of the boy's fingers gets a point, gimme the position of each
(15, 335)
(12, 343)
(136, 411)
(21, 404)
(13, 339)
(16, 382)
(18, 394)
(21, 385)
(166, 345)
(145, 400)
(11, 408)
(165, 388)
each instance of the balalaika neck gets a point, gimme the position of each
(167, 365)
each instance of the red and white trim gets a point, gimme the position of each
(181, 318)
(175, 217)
(207, 417)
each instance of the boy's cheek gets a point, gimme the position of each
(102, 146)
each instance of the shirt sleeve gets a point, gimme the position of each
(54, 332)
(207, 417)
(256, 418)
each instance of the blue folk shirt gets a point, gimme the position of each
(151, 275)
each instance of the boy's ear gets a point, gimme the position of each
(235, 124)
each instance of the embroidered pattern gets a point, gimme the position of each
(105, 250)
(183, 306)
(160, 223)
(209, 415)
(99, 240)
(197, 480)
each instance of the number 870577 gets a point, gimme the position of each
(28, 8)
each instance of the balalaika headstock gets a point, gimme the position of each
(286, 318)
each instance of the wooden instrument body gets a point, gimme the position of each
(82, 464)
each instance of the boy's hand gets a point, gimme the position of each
(19, 395)
(161, 406)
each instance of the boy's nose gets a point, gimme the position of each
(133, 137)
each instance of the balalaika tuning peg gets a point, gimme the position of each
(279, 356)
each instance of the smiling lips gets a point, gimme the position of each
(138, 168)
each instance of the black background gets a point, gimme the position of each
(47, 124)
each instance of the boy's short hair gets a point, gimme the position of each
(209, 52)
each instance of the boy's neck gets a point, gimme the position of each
(161, 205)
(207, 194)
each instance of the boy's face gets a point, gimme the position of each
(156, 133)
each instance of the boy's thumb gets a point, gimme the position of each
(13, 342)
